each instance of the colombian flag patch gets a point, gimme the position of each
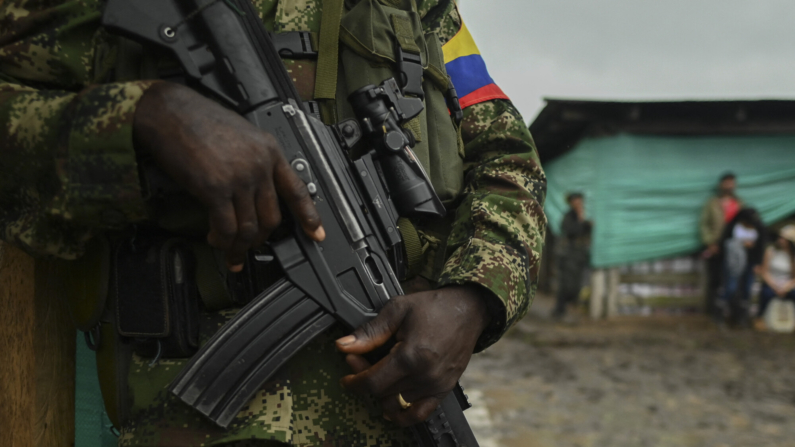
(468, 70)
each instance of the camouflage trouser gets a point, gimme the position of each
(571, 267)
(302, 405)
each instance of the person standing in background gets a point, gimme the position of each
(777, 272)
(574, 253)
(718, 211)
(743, 246)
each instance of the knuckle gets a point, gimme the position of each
(216, 192)
(224, 233)
(292, 185)
(218, 184)
(272, 145)
(368, 330)
(247, 231)
(212, 181)
(425, 354)
(218, 241)
(434, 379)
(423, 413)
(370, 384)
(395, 306)
(412, 418)
(409, 359)
(270, 221)
(298, 190)
(441, 383)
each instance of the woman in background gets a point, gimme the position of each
(777, 272)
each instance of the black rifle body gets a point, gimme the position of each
(226, 53)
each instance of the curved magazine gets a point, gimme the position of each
(226, 372)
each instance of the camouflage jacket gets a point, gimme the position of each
(68, 171)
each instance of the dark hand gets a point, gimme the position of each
(236, 170)
(435, 333)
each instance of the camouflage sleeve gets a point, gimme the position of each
(67, 164)
(499, 228)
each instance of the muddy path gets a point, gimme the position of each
(633, 382)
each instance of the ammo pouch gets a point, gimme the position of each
(157, 302)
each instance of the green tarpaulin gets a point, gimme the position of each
(645, 193)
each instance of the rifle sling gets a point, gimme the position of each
(328, 53)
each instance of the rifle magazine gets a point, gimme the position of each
(226, 372)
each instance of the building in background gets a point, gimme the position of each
(646, 169)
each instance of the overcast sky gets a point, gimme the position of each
(635, 49)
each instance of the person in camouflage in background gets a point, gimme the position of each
(70, 139)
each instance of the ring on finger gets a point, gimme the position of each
(402, 402)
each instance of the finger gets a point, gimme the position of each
(223, 225)
(391, 406)
(357, 363)
(247, 228)
(380, 379)
(269, 216)
(295, 194)
(375, 332)
(417, 390)
(418, 412)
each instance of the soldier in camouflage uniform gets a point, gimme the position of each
(71, 136)
(573, 253)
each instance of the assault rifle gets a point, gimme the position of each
(226, 53)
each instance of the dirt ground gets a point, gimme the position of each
(675, 381)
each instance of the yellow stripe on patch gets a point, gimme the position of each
(462, 44)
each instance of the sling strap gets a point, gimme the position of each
(328, 50)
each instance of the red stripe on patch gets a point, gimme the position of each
(483, 94)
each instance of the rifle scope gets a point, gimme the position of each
(381, 111)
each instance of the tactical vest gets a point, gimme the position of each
(380, 39)
(360, 42)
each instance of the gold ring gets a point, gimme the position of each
(403, 404)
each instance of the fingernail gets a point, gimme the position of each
(237, 268)
(345, 341)
(319, 234)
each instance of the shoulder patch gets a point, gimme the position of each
(468, 71)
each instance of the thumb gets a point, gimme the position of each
(375, 332)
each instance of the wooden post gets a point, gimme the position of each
(613, 281)
(37, 358)
(598, 290)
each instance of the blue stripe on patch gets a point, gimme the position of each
(469, 73)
